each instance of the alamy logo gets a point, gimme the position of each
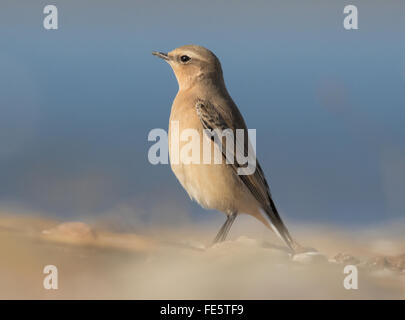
(51, 280)
(351, 281)
(350, 22)
(236, 147)
(51, 20)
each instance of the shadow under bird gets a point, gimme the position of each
(202, 103)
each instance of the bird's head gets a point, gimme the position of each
(192, 65)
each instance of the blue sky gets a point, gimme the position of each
(328, 104)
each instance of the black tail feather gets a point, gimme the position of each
(278, 224)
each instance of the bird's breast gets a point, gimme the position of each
(213, 185)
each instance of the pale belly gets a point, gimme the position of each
(212, 185)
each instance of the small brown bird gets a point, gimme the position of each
(203, 102)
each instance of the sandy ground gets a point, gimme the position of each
(179, 263)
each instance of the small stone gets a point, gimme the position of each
(396, 263)
(72, 230)
(309, 257)
(345, 258)
(376, 263)
(247, 241)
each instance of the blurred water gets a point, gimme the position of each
(328, 104)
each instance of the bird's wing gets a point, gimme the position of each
(215, 117)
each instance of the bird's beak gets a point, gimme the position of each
(162, 55)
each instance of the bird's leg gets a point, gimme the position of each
(223, 232)
(220, 232)
(230, 219)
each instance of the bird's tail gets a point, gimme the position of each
(278, 226)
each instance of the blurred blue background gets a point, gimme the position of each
(77, 103)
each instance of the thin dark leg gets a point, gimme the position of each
(219, 236)
(223, 232)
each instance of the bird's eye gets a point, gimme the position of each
(184, 58)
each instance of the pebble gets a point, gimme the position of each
(345, 258)
(309, 257)
(72, 230)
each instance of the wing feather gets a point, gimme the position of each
(216, 118)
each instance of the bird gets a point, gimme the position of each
(203, 103)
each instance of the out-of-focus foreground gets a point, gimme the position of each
(171, 263)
